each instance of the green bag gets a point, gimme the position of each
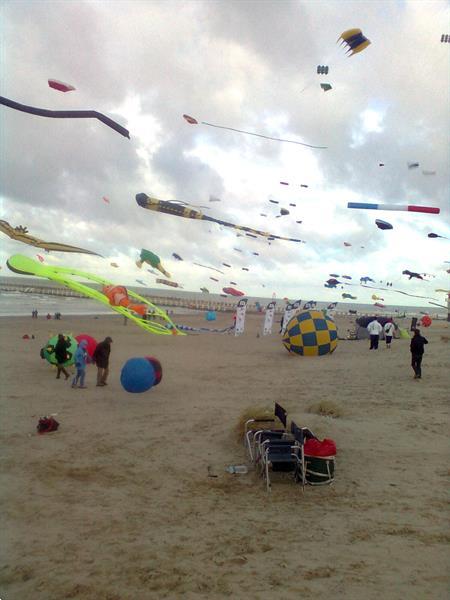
(319, 470)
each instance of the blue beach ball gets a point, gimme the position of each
(137, 375)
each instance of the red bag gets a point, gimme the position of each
(314, 447)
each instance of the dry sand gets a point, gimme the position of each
(118, 504)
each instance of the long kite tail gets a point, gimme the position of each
(250, 230)
(266, 137)
(66, 114)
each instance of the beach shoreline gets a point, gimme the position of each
(132, 492)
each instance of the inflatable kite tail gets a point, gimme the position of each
(139, 263)
(163, 271)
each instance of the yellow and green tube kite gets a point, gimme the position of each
(63, 275)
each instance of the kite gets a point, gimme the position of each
(303, 185)
(167, 282)
(226, 265)
(445, 38)
(383, 224)
(206, 267)
(41, 258)
(214, 199)
(355, 41)
(406, 207)
(435, 235)
(366, 279)
(262, 215)
(332, 306)
(151, 259)
(429, 172)
(105, 199)
(176, 256)
(333, 282)
(283, 212)
(178, 210)
(349, 296)
(214, 279)
(375, 297)
(113, 264)
(381, 164)
(118, 296)
(326, 87)
(60, 85)
(413, 165)
(27, 266)
(255, 253)
(347, 244)
(237, 249)
(412, 274)
(66, 114)
(274, 201)
(345, 276)
(299, 221)
(232, 291)
(292, 204)
(152, 271)
(322, 70)
(334, 275)
(141, 282)
(204, 290)
(245, 269)
(379, 305)
(193, 121)
(21, 234)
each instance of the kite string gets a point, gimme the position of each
(266, 137)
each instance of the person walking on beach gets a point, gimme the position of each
(101, 359)
(374, 328)
(61, 355)
(388, 328)
(81, 358)
(417, 350)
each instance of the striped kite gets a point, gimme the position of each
(179, 210)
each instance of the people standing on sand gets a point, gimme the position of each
(374, 328)
(101, 359)
(417, 350)
(61, 355)
(389, 329)
(81, 359)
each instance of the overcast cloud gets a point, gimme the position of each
(248, 65)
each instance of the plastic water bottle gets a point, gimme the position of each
(242, 469)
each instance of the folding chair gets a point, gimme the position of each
(279, 455)
(250, 435)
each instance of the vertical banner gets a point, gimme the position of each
(268, 321)
(289, 312)
(240, 316)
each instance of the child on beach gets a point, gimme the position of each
(61, 355)
(81, 358)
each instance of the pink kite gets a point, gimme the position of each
(41, 258)
(105, 199)
(60, 85)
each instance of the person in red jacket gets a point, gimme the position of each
(101, 359)
(417, 350)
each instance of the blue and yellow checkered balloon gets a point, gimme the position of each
(311, 333)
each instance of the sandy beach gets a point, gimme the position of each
(119, 504)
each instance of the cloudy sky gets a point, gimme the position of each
(246, 65)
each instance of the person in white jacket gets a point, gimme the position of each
(374, 328)
(388, 332)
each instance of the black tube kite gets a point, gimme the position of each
(66, 114)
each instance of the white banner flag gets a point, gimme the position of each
(240, 316)
(268, 321)
(289, 312)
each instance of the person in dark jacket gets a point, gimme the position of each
(417, 350)
(101, 359)
(61, 355)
